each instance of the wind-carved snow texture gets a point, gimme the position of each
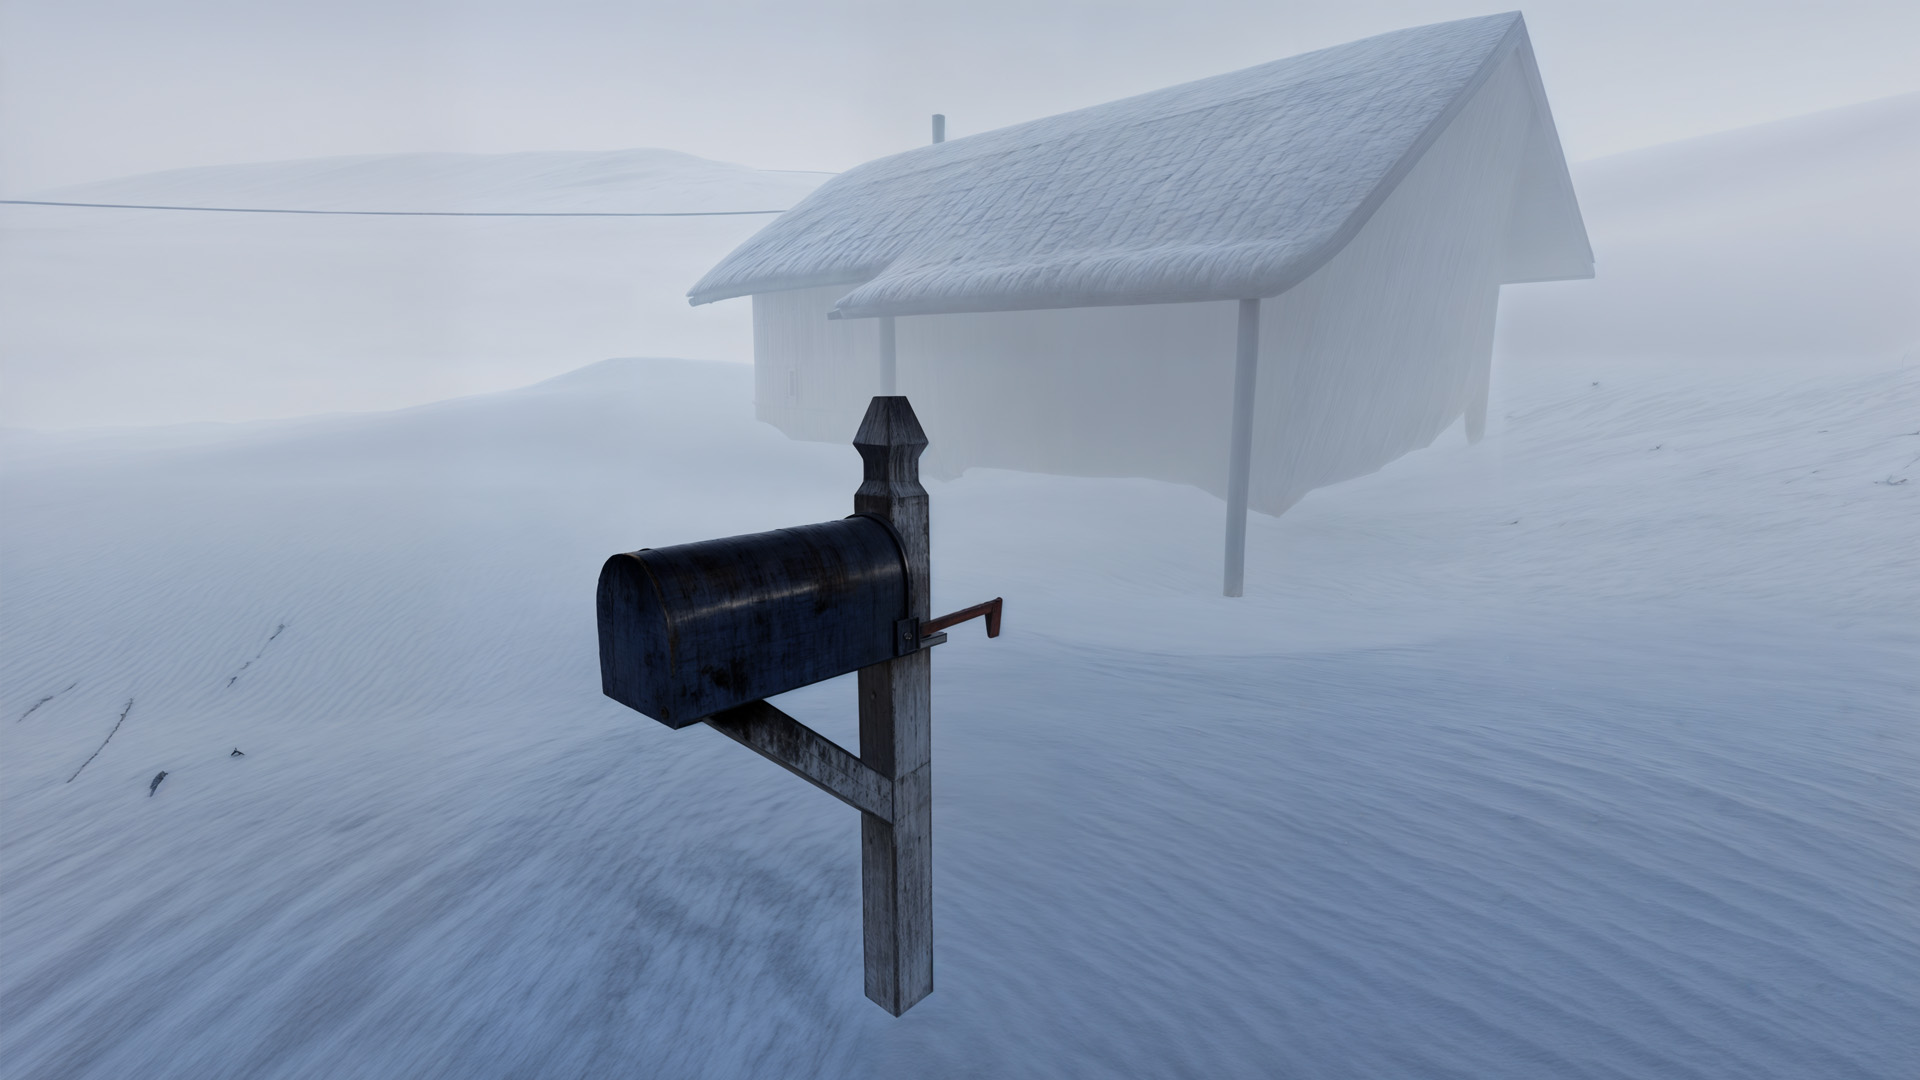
(1556, 755)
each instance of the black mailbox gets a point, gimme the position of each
(705, 632)
(688, 631)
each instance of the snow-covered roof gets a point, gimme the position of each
(1235, 186)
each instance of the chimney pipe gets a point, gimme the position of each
(939, 127)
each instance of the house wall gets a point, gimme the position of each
(1391, 341)
(812, 376)
(1372, 356)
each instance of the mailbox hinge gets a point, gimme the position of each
(906, 636)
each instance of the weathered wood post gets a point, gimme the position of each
(896, 728)
(1240, 458)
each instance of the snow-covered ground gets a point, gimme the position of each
(1586, 751)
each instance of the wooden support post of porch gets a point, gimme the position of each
(889, 366)
(1477, 393)
(896, 730)
(1246, 365)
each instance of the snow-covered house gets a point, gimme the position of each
(1259, 283)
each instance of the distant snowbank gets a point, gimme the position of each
(1796, 239)
(619, 181)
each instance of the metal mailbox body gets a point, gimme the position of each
(690, 630)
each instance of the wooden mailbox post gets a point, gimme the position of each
(703, 633)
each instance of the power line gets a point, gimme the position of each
(397, 213)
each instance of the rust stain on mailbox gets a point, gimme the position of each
(691, 630)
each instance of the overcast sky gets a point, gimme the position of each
(91, 89)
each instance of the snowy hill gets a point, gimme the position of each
(139, 317)
(1587, 751)
(618, 181)
(1796, 240)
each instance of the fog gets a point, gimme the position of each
(1565, 725)
(93, 89)
(1792, 241)
(112, 319)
